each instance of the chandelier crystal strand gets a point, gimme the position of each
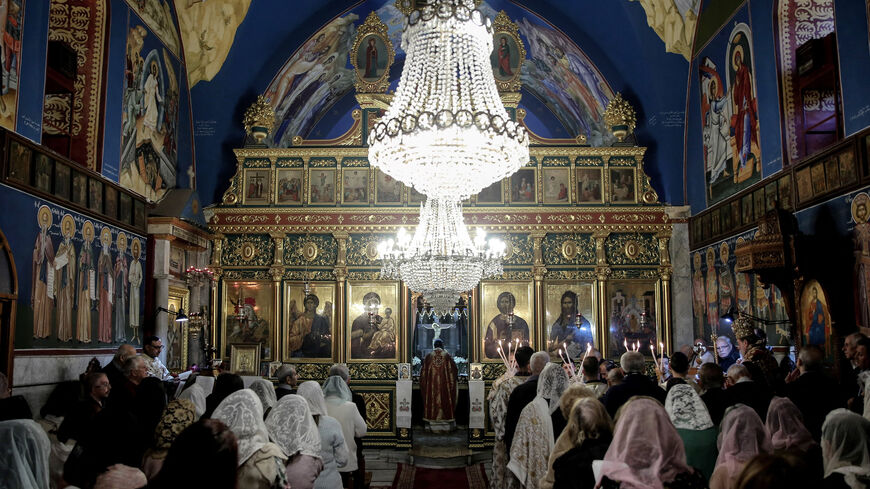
(447, 133)
(441, 260)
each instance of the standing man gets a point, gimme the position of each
(498, 405)
(522, 395)
(152, 346)
(287, 380)
(438, 384)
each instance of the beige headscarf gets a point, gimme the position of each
(571, 436)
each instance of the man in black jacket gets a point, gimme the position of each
(522, 395)
(743, 390)
(114, 370)
(711, 380)
(635, 383)
(813, 392)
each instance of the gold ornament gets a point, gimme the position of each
(620, 116)
(259, 119)
(742, 327)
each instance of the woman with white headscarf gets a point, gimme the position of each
(533, 440)
(339, 406)
(695, 427)
(266, 392)
(846, 450)
(196, 395)
(742, 436)
(261, 462)
(24, 451)
(292, 428)
(333, 449)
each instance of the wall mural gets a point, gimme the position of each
(729, 113)
(11, 13)
(149, 134)
(674, 22)
(208, 30)
(157, 15)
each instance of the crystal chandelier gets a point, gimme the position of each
(446, 132)
(441, 260)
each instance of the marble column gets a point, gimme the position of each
(161, 290)
(681, 278)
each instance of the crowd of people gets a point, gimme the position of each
(758, 424)
(127, 425)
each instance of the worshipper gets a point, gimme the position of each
(438, 385)
(614, 377)
(728, 355)
(266, 392)
(522, 395)
(24, 452)
(695, 427)
(60, 406)
(225, 384)
(115, 369)
(124, 393)
(207, 444)
(814, 394)
(711, 380)
(776, 470)
(151, 347)
(859, 403)
(498, 404)
(646, 451)
(635, 383)
(846, 450)
(333, 449)
(360, 472)
(752, 344)
(743, 389)
(80, 417)
(589, 433)
(534, 438)
(605, 366)
(787, 432)
(679, 366)
(12, 407)
(261, 463)
(121, 476)
(150, 403)
(353, 427)
(849, 375)
(293, 429)
(567, 439)
(196, 395)
(178, 415)
(741, 437)
(592, 377)
(287, 380)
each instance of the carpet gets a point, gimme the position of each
(410, 477)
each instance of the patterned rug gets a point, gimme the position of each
(410, 477)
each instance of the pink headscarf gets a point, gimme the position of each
(742, 436)
(646, 450)
(786, 427)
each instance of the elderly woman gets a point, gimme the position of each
(742, 436)
(196, 395)
(695, 427)
(261, 463)
(266, 392)
(589, 432)
(566, 440)
(846, 450)
(333, 449)
(340, 406)
(291, 426)
(534, 438)
(178, 415)
(24, 451)
(646, 451)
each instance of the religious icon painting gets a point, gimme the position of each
(321, 186)
(372, 55)
(747, 216)
(388, 190)
(404, 371)
(19, 162)
(715, 224)
(758, 203)
(42, 174)
(725, 218)
(245, 359)
(770, 196)
(256, 186)
(355, 186)
(111, 203)
(62, 181)
(817, 176)
(506, 309)
(176, 332)
(832, 173)
(815, 317)
(249, 317)
(622, 186)
(374, 329)
(138, 213)
(80, 189)
(804, 184)
(273, 368)
(557, 184)
(508, 53)
(308, 327)
(785, 195)
(492, 194)
(95, 195)
(848, 173)
(523, 186)
(125, 208)
(589, 185)
(476, 371)
(632, 314)
(289, 182)
(571, 320)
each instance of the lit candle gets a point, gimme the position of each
(662, 363)
(625, 344)
(570, 361)
(588, 349)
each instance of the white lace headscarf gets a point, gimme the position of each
(196, 395)
(686, 409)
(335, 386)
(845, 442)
(266, 392)
(311, 391)
(292, 428)
(551, 384)
(24, 453)
(242, 412)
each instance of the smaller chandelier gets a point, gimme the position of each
(440, 260)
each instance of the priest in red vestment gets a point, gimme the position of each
(438, 385)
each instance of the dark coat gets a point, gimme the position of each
(634, 384)
(521, 396)
(751, 393)
(573, 469)
(716, 401)
(815, 395)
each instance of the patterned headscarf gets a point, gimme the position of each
(266, 392)
(24, 454)
(311, 391)
(686, 409)
(846, 446)
(552, 382)
(196, 395)
(292, 428)
(178, 415)
(785, 426)
(335, 386)
(742, 436)
(242, 412)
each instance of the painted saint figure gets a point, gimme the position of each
(371, 59)
(712, 291)
(104, 286)
(716, 117)
(506, 326)
(135, 279)
(565, 333)
(65, 279)
(365, 326)
(745, 118)
(86, 273)
(152, 98)
(816, 322)
(41, 299)
(120, 290)
(504, 58)
(309, 335)
(385, 336)
(726, 282)
(698, 295)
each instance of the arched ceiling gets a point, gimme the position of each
(579, 54)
